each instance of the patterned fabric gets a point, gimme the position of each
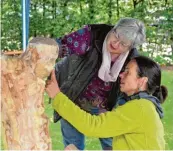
(94, 97)
(75, 43)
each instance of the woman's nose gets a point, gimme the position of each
(116, 44)
(121, 75)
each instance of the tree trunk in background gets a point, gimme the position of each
(24, 123)
(64, 5)
(81, 12)
(118, 12)
(91, 9)
(172, 46)
(136, 2)
(44, 17)
(15, 8)
(166, 1)
(53, 17)
(109, 11)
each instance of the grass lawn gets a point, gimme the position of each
(167, 80)
(93, 143)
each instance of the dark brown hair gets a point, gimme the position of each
(150, 69)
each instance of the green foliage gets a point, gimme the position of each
(54, 18)
(163, 60)
(11, 25)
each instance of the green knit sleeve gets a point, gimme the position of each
(124, 119)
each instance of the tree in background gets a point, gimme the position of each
(54, 18)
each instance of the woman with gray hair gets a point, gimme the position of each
(88, 74)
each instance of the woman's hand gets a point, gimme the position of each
(52, 87)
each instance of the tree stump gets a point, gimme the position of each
(24, 123)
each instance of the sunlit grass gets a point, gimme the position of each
(167, 80)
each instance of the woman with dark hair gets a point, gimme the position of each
(135, 124)
(148, 68)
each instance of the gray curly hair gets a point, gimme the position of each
(131, 29)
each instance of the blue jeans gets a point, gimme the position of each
(72, 136)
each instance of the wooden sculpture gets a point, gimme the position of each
(24, 123)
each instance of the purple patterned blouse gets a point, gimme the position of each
(94, 97)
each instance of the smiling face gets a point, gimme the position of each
(116, 43)
(130, 81)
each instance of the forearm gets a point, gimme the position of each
(72, 113)
(104, 125)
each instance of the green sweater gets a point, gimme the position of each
(134, 126)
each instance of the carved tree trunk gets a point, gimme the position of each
(25, 125)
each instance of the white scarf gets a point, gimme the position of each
(106, 72)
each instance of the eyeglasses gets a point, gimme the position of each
(123, 44)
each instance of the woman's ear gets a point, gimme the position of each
(143, 83)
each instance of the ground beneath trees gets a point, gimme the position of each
(167, 67)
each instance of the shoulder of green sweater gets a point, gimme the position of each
(141, 104)
(141, 101)
(136, 105)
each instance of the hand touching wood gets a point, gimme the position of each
(52, 87)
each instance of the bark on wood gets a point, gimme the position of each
(24, 123)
